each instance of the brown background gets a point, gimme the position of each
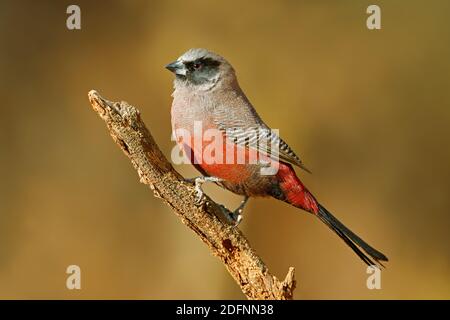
(368, 111)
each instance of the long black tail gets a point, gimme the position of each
(351, 239)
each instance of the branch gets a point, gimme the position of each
(208, 219)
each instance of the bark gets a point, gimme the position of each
(208, 219)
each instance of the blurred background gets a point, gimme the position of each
(368, 112)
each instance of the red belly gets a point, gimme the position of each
(227, 161)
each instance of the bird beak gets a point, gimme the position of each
(177, 67)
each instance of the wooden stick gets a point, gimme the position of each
(208, 219)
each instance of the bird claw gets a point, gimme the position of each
(198, 194)
(198, 181)
(236, 218)
(236, 215)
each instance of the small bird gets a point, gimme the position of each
(207, 96)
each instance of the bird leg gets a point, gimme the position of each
(236, 215)
(198, 181)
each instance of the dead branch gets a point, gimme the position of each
(208, 220)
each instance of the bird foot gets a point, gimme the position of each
(236, 216)
(198, 181)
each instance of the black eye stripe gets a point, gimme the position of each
(209, 62)
(202, 61)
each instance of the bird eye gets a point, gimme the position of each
(197, 65)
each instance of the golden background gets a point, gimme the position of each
(368, 112)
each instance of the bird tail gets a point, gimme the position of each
(367, 254)
(294, 192)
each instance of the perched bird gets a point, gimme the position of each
(208, 98)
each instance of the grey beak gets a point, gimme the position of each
(177, 67)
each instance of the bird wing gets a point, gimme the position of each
(248, 130)
(263, 140)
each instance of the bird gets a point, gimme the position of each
(226, 140)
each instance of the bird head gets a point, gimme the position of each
(201, 68)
